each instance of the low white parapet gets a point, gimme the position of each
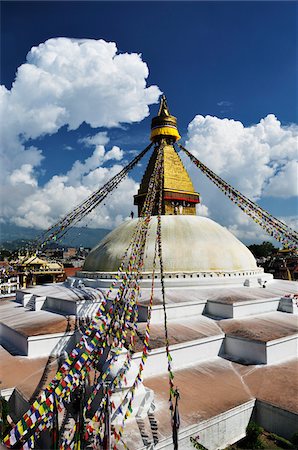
(43, 345)
(215, 433)
(258, 352)
(241, 309)
(184, 354)
(177, 310)
(182, 279)
(25, 298)
(282, 349)
(12, 340)
(33, 346)
(229, 427)
(39, 302)
(6, 393)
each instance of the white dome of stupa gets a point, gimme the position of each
(189, 244)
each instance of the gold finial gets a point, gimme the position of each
(163, 107)
(164, 125)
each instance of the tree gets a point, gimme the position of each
(262, 250)
(253, 437)
(4, 254)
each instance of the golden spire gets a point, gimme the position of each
(179, 196)
(164, 126)
(163, 107)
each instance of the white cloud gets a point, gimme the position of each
(259, 161)
(115, 153)
(23, 175)
(67, 82)
(46, 205)
(100, 138)
(284, 183)
(291, 221)
(248, 156)
(202, 210)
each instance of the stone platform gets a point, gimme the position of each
(218, 396)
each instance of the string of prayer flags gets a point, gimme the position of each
(271, 225)
(108, 328)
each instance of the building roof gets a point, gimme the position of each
(213, 387)
(264, 328)
(32, 323)
(23, 372)
(179, 331)
(36, 261)
(71, 271)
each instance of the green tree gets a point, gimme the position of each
(295, 438)
(4, 254)
(262, 250)
(252, 439)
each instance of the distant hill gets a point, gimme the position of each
(13, 236)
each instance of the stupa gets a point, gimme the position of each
(196, 250)
(232, 328)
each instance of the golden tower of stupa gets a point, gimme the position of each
(179, 196)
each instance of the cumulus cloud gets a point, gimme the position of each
(250, 157)
(100, 138)
(49, 203)
(259, 160)
(23, 175)
(202, 210)
(44, 206)
(284, 183)
(66, 82)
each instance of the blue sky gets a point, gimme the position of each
(233, 60)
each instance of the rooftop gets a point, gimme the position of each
(213, 387)
(32, 323)
(179, 331)
(264, 328)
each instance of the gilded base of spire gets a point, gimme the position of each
(179, 196)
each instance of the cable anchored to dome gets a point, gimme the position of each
(273, 226)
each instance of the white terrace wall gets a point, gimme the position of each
(282, 349)
(176, 311)
(12, 340)
(241, 309)
(184, 354)
(17, 405)
(241, 349)
(43, 345)
(257, 352)
(216, 433)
